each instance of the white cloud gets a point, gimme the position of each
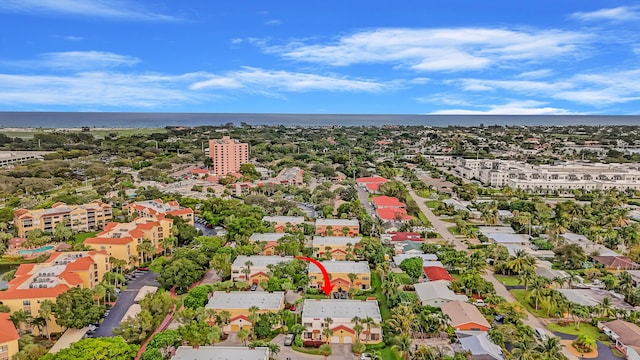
(102, 89)
(273, 22)
(80, 60)
(618, 14)
(255, 79)
(119, 9)
(536, 74)
(68, 37)
(528, 107)
(444, 99)
(439, 49)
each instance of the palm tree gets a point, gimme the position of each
(525, 350)
(526, 277)
(538, 291)
(99, 292)
(352, 278)
(521, 261)
(550, 349)
(402, 343)
(327, 333)
(579, 313)
(253, 317)
(247, 270)
(243, 334)
(46, 310)
(382, 269)
(369, 323)
(224, 317)
(18, 318)
(605, 308)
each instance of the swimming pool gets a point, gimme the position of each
(36, 251)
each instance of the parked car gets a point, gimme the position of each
(499, 318)
(480, 303)
(292, 307)
(541, 334)
(365, 356)
(288, 340)
(143, 268)
(253, 287)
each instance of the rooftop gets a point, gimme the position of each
(8, 331)
(341, 309)
(393, 213)
(337, 222)
(356, 267)
(260, 261)
(628, 333)
(335, 240)
(266, 237)
(479, 344)
(397, 259)
(463, 313)
(284, 219)
(387, 201)
(593, 297)
(437, 289)
(221, 353)
(434, 273)
(245, 299)
(369, 180)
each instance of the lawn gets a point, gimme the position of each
(424, 219)
(377, 292)
(508, 280)
(389, 353)
(432, 204)
(585, 328)
(79, 238)
(453, 230)
(405, 279)
(424, 193)
(522, 299)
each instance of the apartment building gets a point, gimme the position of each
(34, 283)
(282, 223)
(155, 209)
(121, 240)
(237, 303)
(10, 158)
(86, 217)
(254, 269)
(339, 274)
(221, 353)
(8, 337)
(267, 242)
(341, 312)
(337, 246)
(565, 176)
(227, 155)
(337, 227)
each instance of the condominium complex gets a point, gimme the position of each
(121, 240)
(8, 337)
(254, 268)
(331, 227)
(339, 274)
(87, 217)
(238, 303)
(227, 155)
(336, 247)
(34, 283)
(342, 313)
(564, 176)
(155, 209)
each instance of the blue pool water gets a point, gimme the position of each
(35, 251)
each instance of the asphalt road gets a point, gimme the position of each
(364, 199)
(339, 352)
(125, 300)
(604, 352)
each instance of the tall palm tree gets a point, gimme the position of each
(253, 317)
(18, 318)
(550, 349)
(247, 270)
(46, 310)
(352, 278)
(327, 333)
(525, 349)
(402, 343)
(369, 323)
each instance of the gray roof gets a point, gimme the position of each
(341, 309)
(261, 260)
(397, 259)
(337, 222)
(506, 238)
(266, 237)
(221, 353)
(335, 240)
(496, 229)
(356, 267)
(479, 343)
(246, 299)
(438, 289)
(550, 273)
(577, 296)
(284, 219)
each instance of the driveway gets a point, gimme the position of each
(125, 300)
(604, 352)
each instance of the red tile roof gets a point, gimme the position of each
(617, 262)
(373, 186)
(83, 263)
(436, 273)
(8, 331)
(387, 201)
(33, 293)
(393, 214)
(405, 236)
(373, 179)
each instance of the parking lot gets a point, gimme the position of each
(125, 300)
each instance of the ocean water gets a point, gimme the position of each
(160, 120)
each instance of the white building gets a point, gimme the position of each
(258, 267)
(436, 293)
(341, 312)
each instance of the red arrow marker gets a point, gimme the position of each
(327, 287)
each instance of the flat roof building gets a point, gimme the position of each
(228, 155)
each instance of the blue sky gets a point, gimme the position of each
(402, 56)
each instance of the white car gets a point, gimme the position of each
(365, 356)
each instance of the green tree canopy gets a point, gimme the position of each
(114, 348)
(76, 309)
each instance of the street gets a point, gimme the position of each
(364, 199)
(125, 300)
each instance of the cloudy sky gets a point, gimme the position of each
(401, 56)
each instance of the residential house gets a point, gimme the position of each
(434, 270)
(254, 269)
(337, 246)
(121, 240)
(436, 293)
(157, 209)
(426, 258)
(339, 274)
(479, 345)
(237, 304)
(221, 353)
(8, 337)
(282, 223)
(503, 235)
(616, 262)
(86, 217)
(34, 283)
(341, 313)
(625, 335)
(270, 241)
(372, 184)
(337, 227)
(464, 316)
